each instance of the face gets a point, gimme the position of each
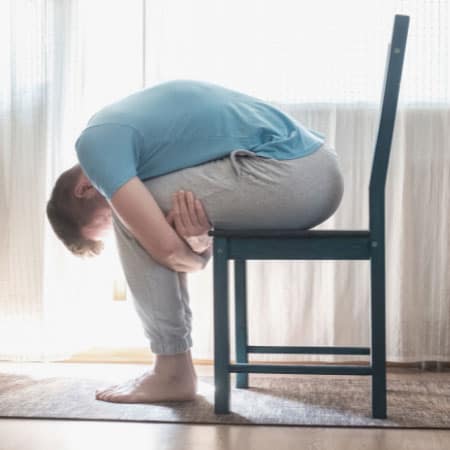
(100, 227)
(101, 224)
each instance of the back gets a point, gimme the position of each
(182, 123)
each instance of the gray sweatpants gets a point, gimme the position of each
(242, 190)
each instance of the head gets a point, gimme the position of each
(80, 216)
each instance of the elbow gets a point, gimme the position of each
(164, 257)
(178, 263)
(185, 260)
(170, 262)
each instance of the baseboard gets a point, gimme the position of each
(144, 356)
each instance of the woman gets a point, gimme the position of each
(241, 163)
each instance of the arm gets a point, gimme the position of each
(141, 215)
(206, 255)
(186, 260)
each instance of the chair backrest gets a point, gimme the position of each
(391, 87)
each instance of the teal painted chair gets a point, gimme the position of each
(254, 244)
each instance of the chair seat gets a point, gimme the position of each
(288, 233)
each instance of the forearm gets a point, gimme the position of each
(186, 260)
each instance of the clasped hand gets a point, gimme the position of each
(190, 221)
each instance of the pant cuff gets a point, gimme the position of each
(170, 348)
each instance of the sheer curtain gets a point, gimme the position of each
(322, 61)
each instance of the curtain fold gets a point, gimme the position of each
(320, 62)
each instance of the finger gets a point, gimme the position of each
(190, 200)
(170, 217)
(183, 210)
(176, 216)
(204, 220)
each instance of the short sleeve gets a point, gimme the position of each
(109, 156)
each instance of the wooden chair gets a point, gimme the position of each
(254, 244)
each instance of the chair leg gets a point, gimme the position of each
(378, 331)
(240, 275)
(221, 329)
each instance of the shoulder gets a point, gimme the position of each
(107, 134)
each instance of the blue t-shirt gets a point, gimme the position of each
(183, 123)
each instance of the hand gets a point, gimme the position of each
(190, 220)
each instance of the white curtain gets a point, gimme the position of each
(322, 61)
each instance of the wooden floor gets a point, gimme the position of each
(86, 435)
(37, 434)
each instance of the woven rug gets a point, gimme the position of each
(67, 391)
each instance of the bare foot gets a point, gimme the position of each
(172, 378)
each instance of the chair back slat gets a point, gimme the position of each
(391, 87)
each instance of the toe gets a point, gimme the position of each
(100, 394)
(116, 398)
(103, 394)
(122, 394)
(107, 390)
(105, 397)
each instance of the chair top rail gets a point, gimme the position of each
(390, 93)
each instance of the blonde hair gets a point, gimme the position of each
(67, 215)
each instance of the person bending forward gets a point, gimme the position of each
(160, 168)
